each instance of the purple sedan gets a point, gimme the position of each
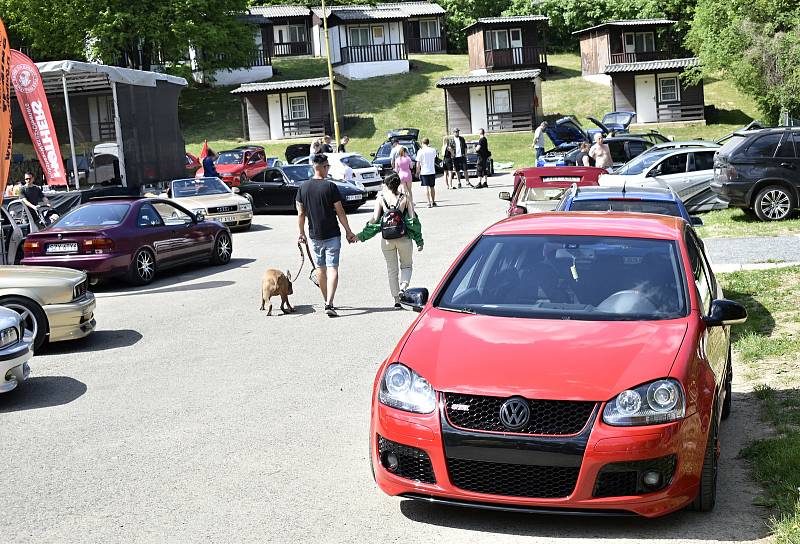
(130, 237)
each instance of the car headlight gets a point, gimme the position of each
(404, 389)
(359, 185)
(656, 402)
(245, 207)
(8, 337)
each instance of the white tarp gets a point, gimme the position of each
(113, 73)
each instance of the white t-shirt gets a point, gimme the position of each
(348, 173)
(426, 158)
(457, 145)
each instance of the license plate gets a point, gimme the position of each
(368, 175)
(62, 248)
(353, 197)
(228, 219)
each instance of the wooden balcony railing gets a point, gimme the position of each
(291, 49)
(641, 56)
(525, 56)
(507, 122)
(426, 45)
(373, 53)
(678, 112)
(313, 126)
(259, 57)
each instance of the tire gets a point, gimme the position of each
(774, 203)
(222, 250)
(707, 490)
(33, 317)
(243, 178)
(727, 405)
(143, 267)
(749, 212)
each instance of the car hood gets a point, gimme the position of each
(206, 201)
(39, 275)
(540, 358)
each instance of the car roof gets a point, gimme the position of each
(687, 143)
(621, 224)
(661, 194)
(754, 132)
(115, 199)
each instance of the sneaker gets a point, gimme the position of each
(435, 204)
(459, 185)
(330, 310)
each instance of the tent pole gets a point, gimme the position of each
(118, 133)
(69, 131)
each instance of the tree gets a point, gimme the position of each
(756, 45)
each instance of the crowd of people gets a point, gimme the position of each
(595, 154)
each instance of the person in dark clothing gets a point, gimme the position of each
(326, 145)
(32, 195)
(320, 201)
(583, 158)
(209, 168)
(344, 142)
(482, 167)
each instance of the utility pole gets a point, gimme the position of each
(331, 81)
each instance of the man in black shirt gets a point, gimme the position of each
(483, 160)
(320, 201)
(326, 144)
(31, 194)
(344, 142)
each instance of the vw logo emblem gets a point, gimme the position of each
(515, 413)
(60, 236)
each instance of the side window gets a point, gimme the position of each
(258, 178)
(764, 146)
(617, 151)
(702, 161)
(17, 211)
(148, 217)
(636, 148)
(700, 273)
(786, 147)
(676, 164)
(273, 176)
(170, 214)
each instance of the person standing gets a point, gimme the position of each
(460, 157)
(319, 200)
(314, 150)
(393, 153)
(583, 158)
(209, 168)
(10, 188)
(395, 219)
(538, 140)
(327, 147)
(447, 162)
(342, 144)
(482, 168)
(426, 171)
(402, 165)
(601, 153)
(32, 195)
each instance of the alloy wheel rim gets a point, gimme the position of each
(224, 248)
(29, 322)
(775, 204)
(144, 265)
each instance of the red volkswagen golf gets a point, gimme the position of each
(570, 362)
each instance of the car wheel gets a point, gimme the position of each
(773, 203)
(707, 490)
(223, 249)
(33, 319)
(143, 267)
(243, 178)
(727, 405)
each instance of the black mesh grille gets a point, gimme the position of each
(556, 417)
(222, 209)
(80, 290)
(413, 463)
(513, 480)
(623, 479)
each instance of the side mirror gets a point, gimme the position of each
(199, 217)
(654, 172)
(414, 299)
(517, 210)
(504, 195)
(696, 221)
(725, 312)
(372, 154)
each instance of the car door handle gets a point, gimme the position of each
(787, 165)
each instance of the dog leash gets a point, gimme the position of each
(311, 275)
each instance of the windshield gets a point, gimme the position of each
(299, 172)
(642, 162)
(230, 157)
(617, 118)
(627, 205)
(356, 162)
(731, 143)
(94, 215)
(198, 187)
(569, 277)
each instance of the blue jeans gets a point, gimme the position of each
(539, 152)
(326, 252)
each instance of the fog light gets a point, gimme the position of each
(389, 461)
(652, 478)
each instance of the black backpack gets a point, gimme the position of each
(393, 224)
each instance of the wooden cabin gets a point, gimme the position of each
(288, 109)
(503, 43)
(289, 34)
(424, 29)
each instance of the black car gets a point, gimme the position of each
(275, 189)
(623, 149)
(759, 171)
(472, 160)
(407, 137)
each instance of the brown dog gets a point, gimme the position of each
(274, 283)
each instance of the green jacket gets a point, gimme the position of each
(413, 230)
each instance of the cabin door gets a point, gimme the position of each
(516, 45)
(646, 99)
(477, 109)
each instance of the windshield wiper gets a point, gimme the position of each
(459, 310)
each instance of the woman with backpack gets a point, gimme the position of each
(395, 219)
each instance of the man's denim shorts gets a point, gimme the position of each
(326, 252)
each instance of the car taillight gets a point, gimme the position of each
(731, 173)
(98, 245)
(31, 248)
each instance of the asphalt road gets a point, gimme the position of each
(192, 416)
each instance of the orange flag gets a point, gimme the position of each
(5, 109)
(204, 152)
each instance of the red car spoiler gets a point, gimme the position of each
(559, 177)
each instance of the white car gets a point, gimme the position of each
(15, 351)
(688, 171)
(365, 175)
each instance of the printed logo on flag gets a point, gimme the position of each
(24, 78)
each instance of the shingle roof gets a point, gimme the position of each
(494, 77)
(280, 11)
(414, 9)
(628, 22)
(651, 65)
(361, 13)
(509, 19)
(314, 83)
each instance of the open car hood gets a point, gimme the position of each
(403, 134)
(600, 124)
(297, 150)
(566, 130)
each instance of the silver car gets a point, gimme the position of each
(15, 351)
(12, 239)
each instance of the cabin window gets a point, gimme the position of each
(498, 39)
(428, 28)
(639, 42)
(501, 100)
(668, 89)
(359, 36)
(297, 33)
(298, 107)
(377, 33)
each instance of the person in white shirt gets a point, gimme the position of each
(538, 140)
(426, 170)
(348, 173)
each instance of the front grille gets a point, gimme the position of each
(80, 290)
(543, 482)
(222, 209)
(550, 417)
(413, 463)
(624, 479)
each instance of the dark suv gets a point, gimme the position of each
(759, 170)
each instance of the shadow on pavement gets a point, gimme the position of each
(254, 227)
(41, 392)
(97, 341)
(302, 309)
